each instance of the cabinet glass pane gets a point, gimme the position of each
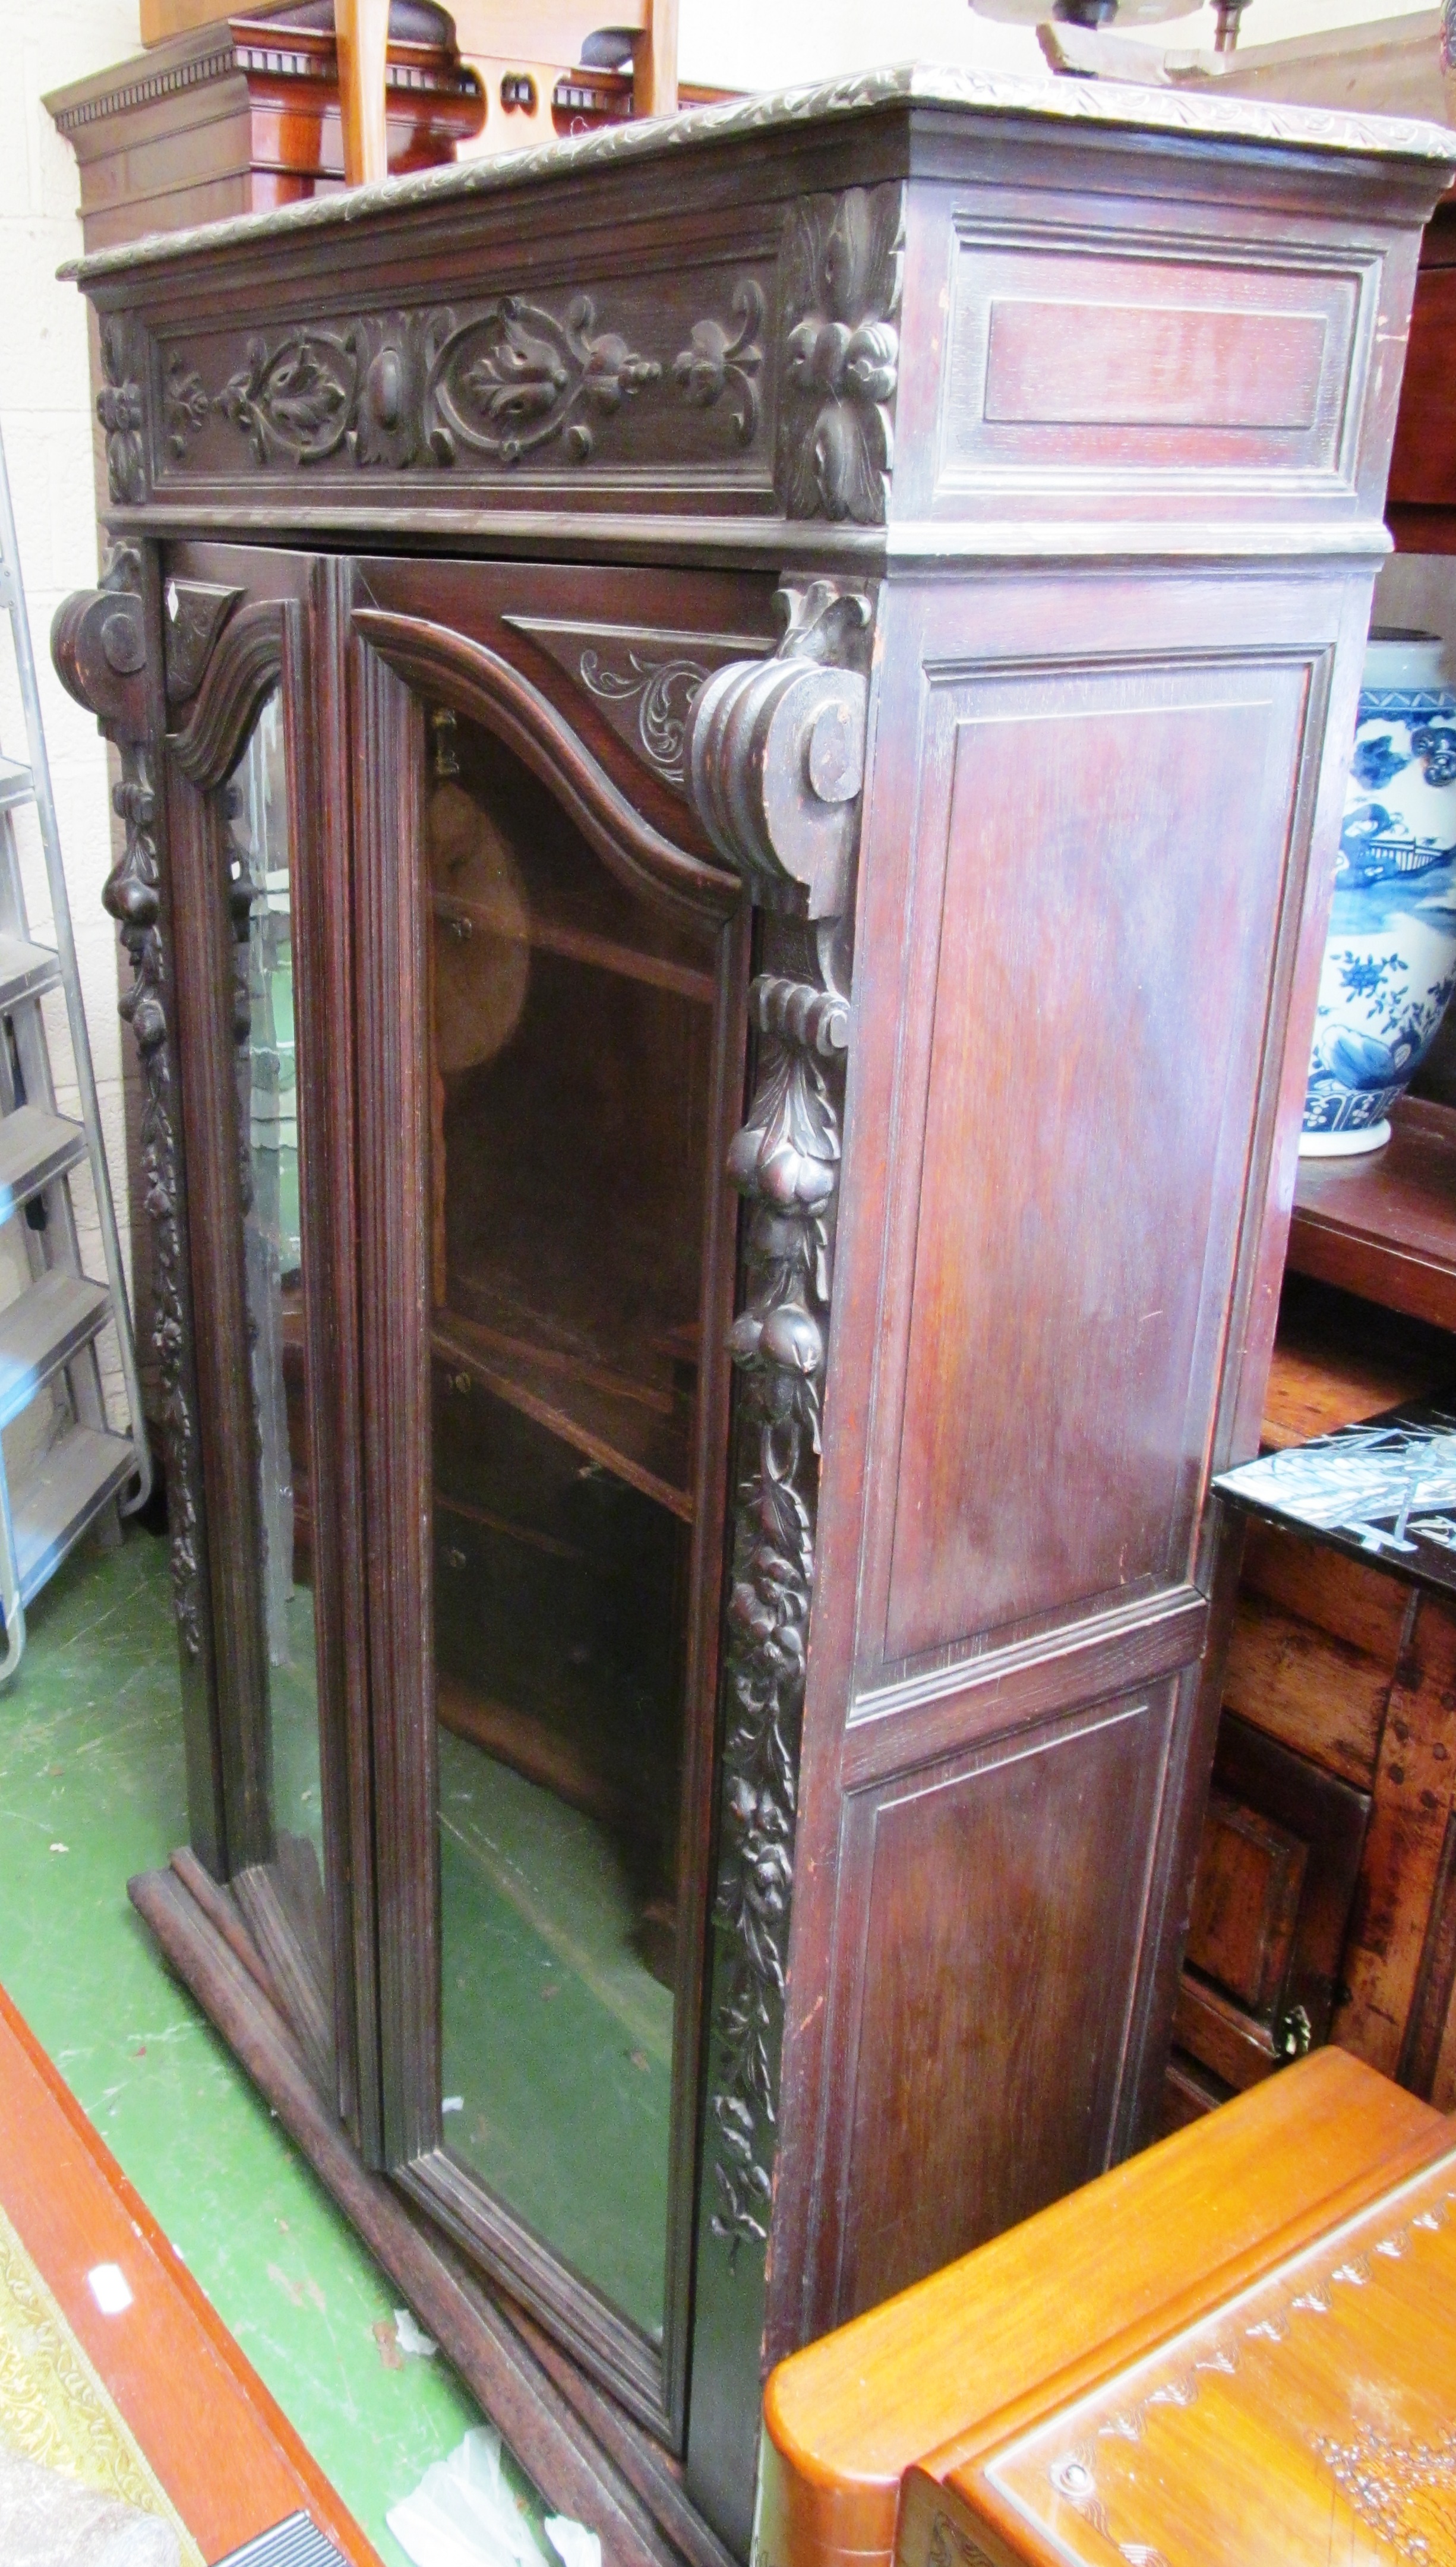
(569, 1045)
(262, 887)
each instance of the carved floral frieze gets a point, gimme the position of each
(521, 377)
(843, 257)
(432, 389)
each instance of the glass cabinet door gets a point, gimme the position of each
(568, 1070)
(284, 1884)
(553, 1068)
(241, 803)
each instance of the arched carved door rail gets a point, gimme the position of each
(469, 678)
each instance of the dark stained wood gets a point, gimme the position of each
(1423, 463)
(994, 1526)
(948, 2060)
(995, 688)
(472, 665)
(1403, 1867)
(1277, 1876)
(1384, 1226)
(1320, 1695)
(1246, 1901)
(393, 1265)
(222, 2447)
(1326, 1821)
(150, 931)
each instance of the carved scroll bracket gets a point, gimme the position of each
(776, 761)
(776, 753)
(98, 647)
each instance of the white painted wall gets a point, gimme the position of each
(761, 44)
(46, 420)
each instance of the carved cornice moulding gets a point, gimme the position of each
(1029, 103)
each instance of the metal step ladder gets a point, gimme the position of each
(73, 1467)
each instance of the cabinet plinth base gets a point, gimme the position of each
(588, 2457)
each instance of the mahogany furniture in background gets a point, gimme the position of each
(1239, 2346)
(816, 640)
(226, 2454)
(236, 118)
(243, 114)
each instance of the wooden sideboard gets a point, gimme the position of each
(732, 745)
(1325, 1906)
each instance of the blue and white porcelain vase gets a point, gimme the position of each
(1390, 960)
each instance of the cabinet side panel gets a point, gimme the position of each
(999, 1903)
(1089, 1100)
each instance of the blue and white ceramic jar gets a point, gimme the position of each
(1390, 960)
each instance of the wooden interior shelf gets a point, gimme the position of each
(575, 943)
(1384, 1226)
(637, 1430)
(1337, 1361)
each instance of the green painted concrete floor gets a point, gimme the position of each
(92, 1791)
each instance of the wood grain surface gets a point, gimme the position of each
(951, 2365)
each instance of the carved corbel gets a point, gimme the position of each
(98, 647)
(776, 754)
(98, 644)
(776, 760)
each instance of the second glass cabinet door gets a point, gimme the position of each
(569, 1040)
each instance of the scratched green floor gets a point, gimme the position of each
(90, 1791)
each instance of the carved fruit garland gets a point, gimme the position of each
(132, 896)
(785, 1161)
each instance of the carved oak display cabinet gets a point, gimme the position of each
(731, 744)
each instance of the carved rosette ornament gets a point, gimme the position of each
(842, 264)
(776, 753)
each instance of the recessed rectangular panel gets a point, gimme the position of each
(1131, 365)
(1104, 363)
(1003, 1902)
(1112, 864)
